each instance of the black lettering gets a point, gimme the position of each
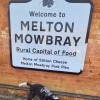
(58, 40)
(28, 38)
(67, 26)
(25, 25)
(41, 29)
(38, 39)
(32, 13)
(20, 37)
(49, 28)
(59, 29)
(49, 39)
(67, 41)
(34, 25)
(76, 40)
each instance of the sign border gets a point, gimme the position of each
(10, 42)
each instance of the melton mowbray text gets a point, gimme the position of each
(49, 33)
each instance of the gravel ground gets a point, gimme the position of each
(11, 97)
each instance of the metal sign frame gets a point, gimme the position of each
(70, 1)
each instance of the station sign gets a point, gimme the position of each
(49, 35)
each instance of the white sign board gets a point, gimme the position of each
(49, 34)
